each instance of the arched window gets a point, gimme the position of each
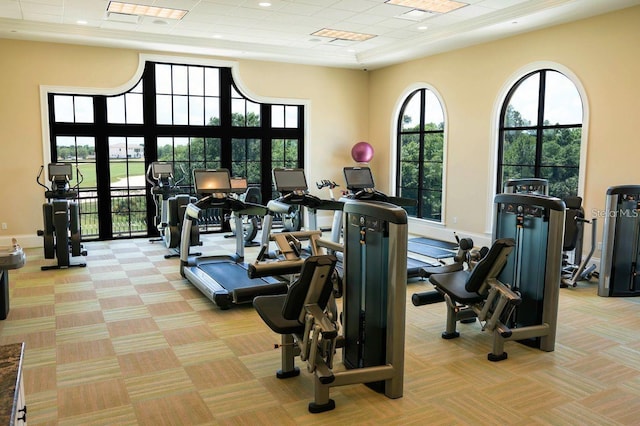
(419, 168)
(540, 132)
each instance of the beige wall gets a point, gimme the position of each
(346, 106)
(603, 53)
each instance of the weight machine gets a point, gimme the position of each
(620, 258)
(374, 305)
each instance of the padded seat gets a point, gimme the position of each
(284, 313)
(454, 284)
(270, 310)
(479, 294)
(465, 286)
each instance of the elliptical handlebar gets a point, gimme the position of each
(179, 181)
(60, 188)
(38, 178)
(148, 178)
(79, 179)
(164, 184)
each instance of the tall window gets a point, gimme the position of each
(540, 132)
(191, 115)
(420, 153)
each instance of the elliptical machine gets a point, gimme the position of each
(250, 223)
(61, 216)
(170, 207)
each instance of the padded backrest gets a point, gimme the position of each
(313, 286)
(490, 264)
(571, 226)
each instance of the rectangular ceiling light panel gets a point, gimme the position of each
(342, 35)
(140, 9)
(438, 6)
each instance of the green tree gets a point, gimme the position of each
(559, 156)
(429, 194)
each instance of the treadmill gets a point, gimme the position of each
(362, 187)
(293, 189)
(222, 279)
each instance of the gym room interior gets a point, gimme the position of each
(127, 340)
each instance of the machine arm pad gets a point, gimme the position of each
(510, 295)
(275, 206)
(327, 327)
(280, 267)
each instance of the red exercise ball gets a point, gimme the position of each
(362, 152)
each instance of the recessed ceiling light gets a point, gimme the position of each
(439, 6)
(422, 27)
(140, 9)
(81, 22)
(415, 15)
(342, 35)
(264, 4)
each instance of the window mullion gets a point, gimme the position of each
(540, 126)
(421, 153)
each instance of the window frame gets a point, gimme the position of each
(500, 99)
(397, 132)
(539, 128)
(263, 132)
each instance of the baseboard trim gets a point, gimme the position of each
(25, 241)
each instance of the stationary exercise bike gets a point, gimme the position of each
(61, 215)
(170, 207)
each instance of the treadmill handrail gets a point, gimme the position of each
(309, 201)
(228, 203)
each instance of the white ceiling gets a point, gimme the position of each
(282, 32)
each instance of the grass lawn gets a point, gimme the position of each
(118, 169)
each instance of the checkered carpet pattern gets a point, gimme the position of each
(128, 341)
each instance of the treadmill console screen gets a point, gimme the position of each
(212, 181)
(358, 178)
(238, 185)
(60, 169)
(159, 170)
(289, 180)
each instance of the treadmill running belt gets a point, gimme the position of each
(414, 267)
(418, 263)
(435, 243)
(430, 251)
(233, 276)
